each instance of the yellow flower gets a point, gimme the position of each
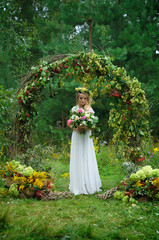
(38, 183)
(30, 179)
(65, 175)
(21, 187)
(156, 182)
(156, 149)
(138, 184)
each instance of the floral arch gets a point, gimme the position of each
(129, 112)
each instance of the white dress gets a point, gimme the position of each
(84, 175)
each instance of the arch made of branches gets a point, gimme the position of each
(129, 112)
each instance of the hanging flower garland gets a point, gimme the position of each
(128, 116)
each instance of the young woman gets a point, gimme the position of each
(84, 175)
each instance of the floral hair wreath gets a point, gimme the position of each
(83, 90)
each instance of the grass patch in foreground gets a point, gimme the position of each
(82, 217)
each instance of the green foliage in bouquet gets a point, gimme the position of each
(129, 114)
(142, 184)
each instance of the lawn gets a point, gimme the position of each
(80, 217)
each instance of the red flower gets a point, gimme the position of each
(27, 115)
(129, 108)
(155, 178)
(153, 187)
(27, 92)
(56, 70)
(141, 159)
(65, 66)
(124, 184)
(35, 156)
(36, 75)
(19, 174)
(32, 87)
(86, 71)
(68, 74)
(143, 183)
(128, 102)
(38, 194)
(46, 71)
(40, 69)
(128, 193)
(124, 118)
(71, 63)
(50, 185)
(115, 93)
(66, 60)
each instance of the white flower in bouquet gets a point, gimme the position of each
(155, 172)
(28, 171)
(13, 190)
(90, 120)
(73, 117)
(84, 123)
(20, 168)
(147, 170)
(125, 199)
(95, 119)
(134, 177)
(87, 114)
(119, 195)
(15, 163)
(141, 174)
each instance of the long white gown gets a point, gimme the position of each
(84, 175)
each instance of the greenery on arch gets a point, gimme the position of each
(129, 112)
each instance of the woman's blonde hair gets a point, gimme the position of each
(89, 100)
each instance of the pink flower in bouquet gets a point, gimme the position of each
(69, 122)
(80, 110)
(84, 117)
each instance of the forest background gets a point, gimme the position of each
(31, 30)
(35, 29)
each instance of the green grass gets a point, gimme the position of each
(81, 217)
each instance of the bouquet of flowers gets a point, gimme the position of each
(142, 184)
(80, 117)
(20, 178)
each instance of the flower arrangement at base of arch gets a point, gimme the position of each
(129, 114)
(142, 184)
(21, 179)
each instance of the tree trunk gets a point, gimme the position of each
(119, 1)
(67, 117)
(63, 119)
(90, 35)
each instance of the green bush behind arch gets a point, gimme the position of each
(129, 114)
